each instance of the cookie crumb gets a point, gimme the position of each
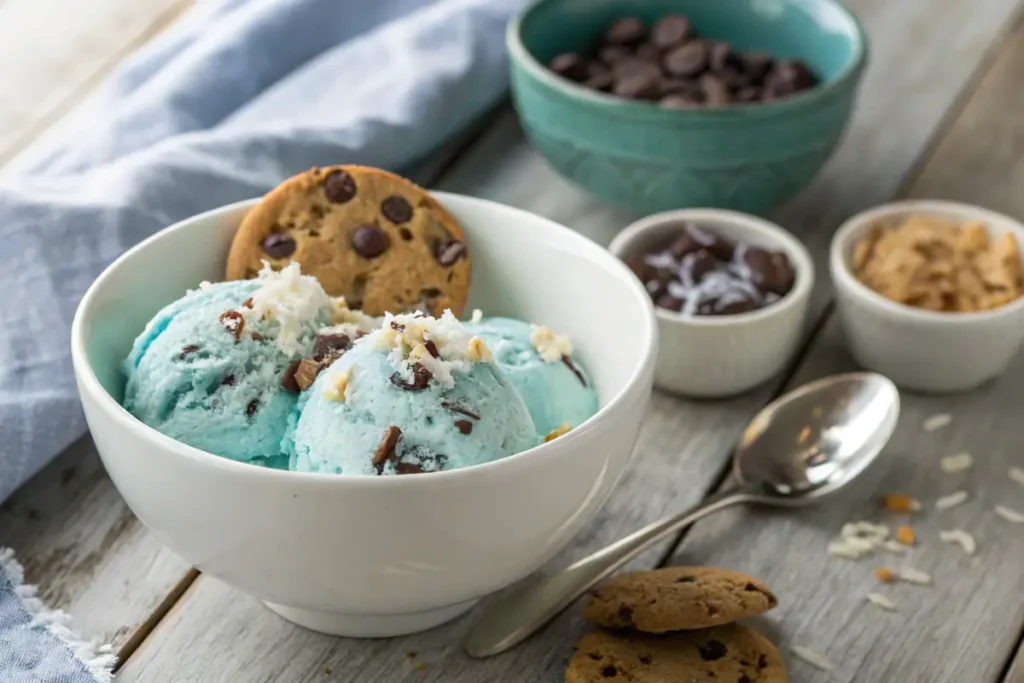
(477, 351)
(550, 346)
(905, 535)
(900, 502)
(951, 501)
(339, 382)
(885, 575)
(557, 432)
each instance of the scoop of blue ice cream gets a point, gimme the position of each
(210, 369)
(540, 365)
(419, 395)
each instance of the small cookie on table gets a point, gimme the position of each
(677, 599)
(726, 654)
(370, 236)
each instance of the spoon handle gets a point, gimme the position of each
(518, 614)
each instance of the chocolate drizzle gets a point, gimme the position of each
(459, 410)
(575, 370)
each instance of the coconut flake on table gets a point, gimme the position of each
(1009, 514)
(811, 657)
(961, 538)
(915, 576)
(1016, 474)
(882, 601)
(857, 539)
(958, 462)
(951, 501)
(289, 299)
(412, 338)
(936, 422)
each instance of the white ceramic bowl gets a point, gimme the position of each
(716, 356)
(377, 556)
(918, 349)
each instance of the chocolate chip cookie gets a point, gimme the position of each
(727, 654)
(677, 599)
(368, 235)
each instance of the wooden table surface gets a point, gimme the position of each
(939, 116)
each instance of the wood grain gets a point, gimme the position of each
(84, 549)
(53, 52)
(976, 608)
(684, 444)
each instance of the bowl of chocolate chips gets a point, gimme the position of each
(661, 104)
(730, 291)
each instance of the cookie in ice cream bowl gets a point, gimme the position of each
(330, 535)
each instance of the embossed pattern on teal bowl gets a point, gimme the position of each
(749, 157)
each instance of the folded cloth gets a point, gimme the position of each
(236, 97)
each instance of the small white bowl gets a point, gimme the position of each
(717, 356)
(916, 348)
(378, 556)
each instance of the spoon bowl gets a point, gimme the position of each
(804, 445)
(813, 440)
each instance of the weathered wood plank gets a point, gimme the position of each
(967, 625)
(683, 446)
(84, 549)
(52, 52)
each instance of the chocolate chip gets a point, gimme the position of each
(770, 270)
(787, 77)
(630, 66)
(430, 292)
(641, 85)
(685, 579)
(369, 241)
(744, 678)
(747, 94)
(228, 381)
(669, 303)
(330, 345)
(611, 54)
(736, 306)
(716, 90)
(464, 426)
(595, 656)
(256, 336)
(448, 251)
(307, 373)
(396, 209)
(670, 31)
(712, 650)
(648, 52)
(762, 661)
(721, 56)
(405, 233)
(756, 64)
(721, 248)
(233, 322)
(278, 246)
(575, 370)
(420, 379)
(677, 102)
(569, 65)
(386, 449)
(288, 380)
(700, 263)
(643, 270)
(187, 351)
(252, 407)
(459, 409)
(625, 615)
(685, 244)
(596, 68)
(247, 303)
(626, 31)
(656, 288)
(602, 82)
(431, 348)
(645, 659)
(409, 468)
(609, 671)
(687, 60)
(339, 187)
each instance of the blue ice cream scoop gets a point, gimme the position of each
(540, 365)
(417, 396)
(211, 369)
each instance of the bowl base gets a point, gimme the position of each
(370, 625)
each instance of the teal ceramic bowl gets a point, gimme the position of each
(748, 157)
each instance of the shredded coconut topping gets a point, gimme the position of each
(1009, 514)
(348, 321)
(956, 463)
(442, 345)
(936, 422)
(551, 347)
(289, 298)
(1016, 474)
(879, 600)
(951, 501)
(961, 537)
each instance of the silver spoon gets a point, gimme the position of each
(802, 446)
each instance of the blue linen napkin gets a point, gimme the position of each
(236, 97)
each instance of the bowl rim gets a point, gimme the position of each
(843, 276)
(89, 383)
(803, 264)
(849, 72)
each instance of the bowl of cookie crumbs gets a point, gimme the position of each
(931, 293)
